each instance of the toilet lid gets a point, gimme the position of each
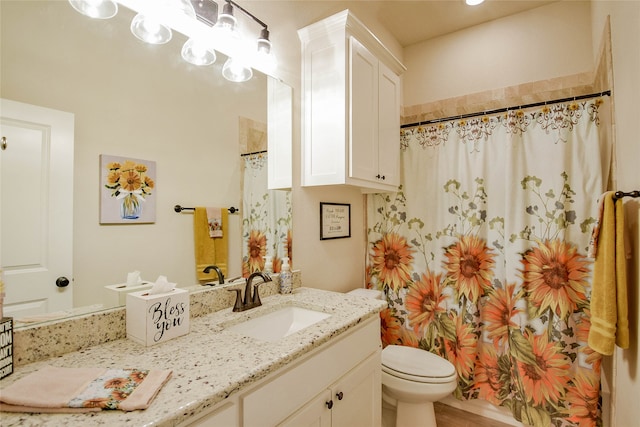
(416, 364)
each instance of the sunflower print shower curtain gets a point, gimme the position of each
(482, 253)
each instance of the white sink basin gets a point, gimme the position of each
(278, 324)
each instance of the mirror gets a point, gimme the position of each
(133, 100)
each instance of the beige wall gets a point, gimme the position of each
(625, 34)
(136, 100)
(539, 44)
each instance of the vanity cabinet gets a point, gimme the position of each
(351, 106)
(351, 365)
(352, 401)
(345, 372)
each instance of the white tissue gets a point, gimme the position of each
(134, 278)
(161, 286)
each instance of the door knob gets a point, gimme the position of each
(62, 282)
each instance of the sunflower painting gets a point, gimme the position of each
(483, 258)
(127, 190)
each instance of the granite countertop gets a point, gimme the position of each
(209, 364)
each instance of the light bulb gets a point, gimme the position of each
(197, 53)
(150, 25)
(236, 71)
(99, 9)
(265, 60)
(150, 30)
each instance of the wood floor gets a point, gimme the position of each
(447, 416)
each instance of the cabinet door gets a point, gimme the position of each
(389, 126)
(316, 413)
(324, 111)
(363, 114)
(357, 396)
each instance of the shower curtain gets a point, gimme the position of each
(266, 218)
(482, 254)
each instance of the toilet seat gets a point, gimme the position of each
(416, 365)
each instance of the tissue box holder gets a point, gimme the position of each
(152, 319)
(116, 295)
(6, 346)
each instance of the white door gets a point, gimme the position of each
(36, 208)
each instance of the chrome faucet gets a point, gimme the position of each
(218, 271)
(250, 300)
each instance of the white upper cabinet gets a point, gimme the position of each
(351, 106)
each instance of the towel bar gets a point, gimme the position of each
(179, 209)
(621, 194)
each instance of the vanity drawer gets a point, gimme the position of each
(294, 386)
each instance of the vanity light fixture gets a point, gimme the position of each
(196, 51)
(226, 21)
(156, 19)
(236, 68)
(473, 2)
(99, 9)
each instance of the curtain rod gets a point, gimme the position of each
(502, 110)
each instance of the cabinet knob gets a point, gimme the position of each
(329, 404)
(378, 176)
(339, 395)
(383, 177)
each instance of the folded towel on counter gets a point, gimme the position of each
(609, 304)
(54, 389)
(209, 250)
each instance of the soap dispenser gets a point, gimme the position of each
(285, 277)
(268, 264)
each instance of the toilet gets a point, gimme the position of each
(412, 379)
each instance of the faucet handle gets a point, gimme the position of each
(238, 304)
(256, 295)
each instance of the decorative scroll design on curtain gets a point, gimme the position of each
(482, 254)
(266, 218)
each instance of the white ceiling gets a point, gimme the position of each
(412, 21)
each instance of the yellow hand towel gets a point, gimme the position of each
(209, 250)
(609, 305)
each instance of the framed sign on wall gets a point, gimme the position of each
(335, 220)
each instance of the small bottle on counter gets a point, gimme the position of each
(268, 264)
(285, 277)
